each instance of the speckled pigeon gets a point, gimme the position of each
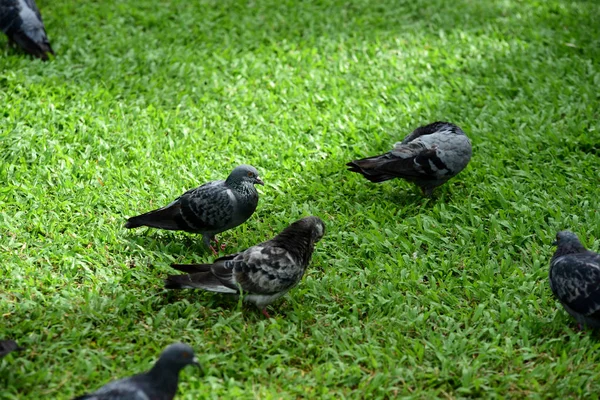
(7, 346)
(263, 273)
(428, 157)
(22, 22)
(209, 209)
(575, 279)
(160, 383)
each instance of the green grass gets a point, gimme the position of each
(405, 297)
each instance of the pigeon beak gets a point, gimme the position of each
(259, 181)
(196, 364)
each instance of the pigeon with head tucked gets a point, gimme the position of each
(160, 383)
(22, 22)
(8, 346)
(209, 209)
(428, 157)
(262, 273)
(575, 279)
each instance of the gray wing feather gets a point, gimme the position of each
(266, 269)
(31, 4)
(575, 280)
(120, 390)
(209, 207)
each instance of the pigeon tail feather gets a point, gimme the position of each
(163, 218)
(368, 168)
(201, 280)
(192, 268)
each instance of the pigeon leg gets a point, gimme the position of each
(223, 245)
(213, 250)
(427, 192)
(265, 313)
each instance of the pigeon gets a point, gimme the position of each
(209, 209)
(428, 157)
(575, 279)
(160, 383)
(22, 22)
(262, 273)
(7, 346)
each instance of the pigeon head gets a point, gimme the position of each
(318, 227)
(568, 243)
(177, 356)
(244, 174)
(311, 224)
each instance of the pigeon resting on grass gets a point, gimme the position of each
(22, 22)
(575, 279)
(160, 383)
(263, 272)
(7, 346)
(429, 157)
(209, 209)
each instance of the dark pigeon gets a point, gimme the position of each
(263, 272)
(22, 22)
(575, 279)
(209, 209)
(428, 157)
(8, 346)
(160, 383)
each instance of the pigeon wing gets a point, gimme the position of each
(435, 127)
(9, 13)
(31, 4)
(265, 269)
(209, 207)
(575, 280)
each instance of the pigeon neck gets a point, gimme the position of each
(164, 378)
(242, 187)
(571, 247)
(297, 243)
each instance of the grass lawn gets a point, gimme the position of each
(405, 297)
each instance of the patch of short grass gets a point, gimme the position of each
(406, 296)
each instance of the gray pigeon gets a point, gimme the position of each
(22, 22)
(160, 383)
(209, 209)
(575, 279)
(7, 346)
(263, 273)
(428, 157)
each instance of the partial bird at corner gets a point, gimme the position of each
(428, 157)
(263, 273)
(8, 346)
(209, 209)
(22, 22)
(575, 279)
(160, 383)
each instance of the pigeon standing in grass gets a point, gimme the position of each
(429, 157)
(160, 383)
(209, 209)
(8, 346)
(575, 279)
(262, 273)
(22, 22)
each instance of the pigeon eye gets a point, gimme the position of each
(185, 354)
(251, 174)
